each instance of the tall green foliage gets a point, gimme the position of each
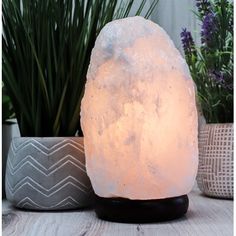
(7, 109)
(46, 52)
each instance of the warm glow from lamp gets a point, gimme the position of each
(138, 114)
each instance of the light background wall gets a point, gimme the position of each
(173, 15)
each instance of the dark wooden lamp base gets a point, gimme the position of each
(141, 211)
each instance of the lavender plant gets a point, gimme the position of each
(211, 63)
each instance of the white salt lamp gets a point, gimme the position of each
(139, 121)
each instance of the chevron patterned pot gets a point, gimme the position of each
(48, 174)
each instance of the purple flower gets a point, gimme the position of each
(209, 27)
(187, 42)
(221, 79)
(204, 7)
(217, 76)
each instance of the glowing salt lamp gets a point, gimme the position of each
(139, 121)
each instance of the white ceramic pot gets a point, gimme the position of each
(215, 172)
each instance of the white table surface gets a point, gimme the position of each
(206, 216)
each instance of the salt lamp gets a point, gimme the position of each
(139, 121)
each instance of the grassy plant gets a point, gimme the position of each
(7, 109)
(46, 52)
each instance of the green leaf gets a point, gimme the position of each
(46, 53)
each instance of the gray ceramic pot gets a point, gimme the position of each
(9, 130)
(48, 174)
(6, 140)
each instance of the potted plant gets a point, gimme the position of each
(211, 66)
(46, 52)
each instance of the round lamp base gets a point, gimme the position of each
(141, 211)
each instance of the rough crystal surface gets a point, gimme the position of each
(138, 114)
